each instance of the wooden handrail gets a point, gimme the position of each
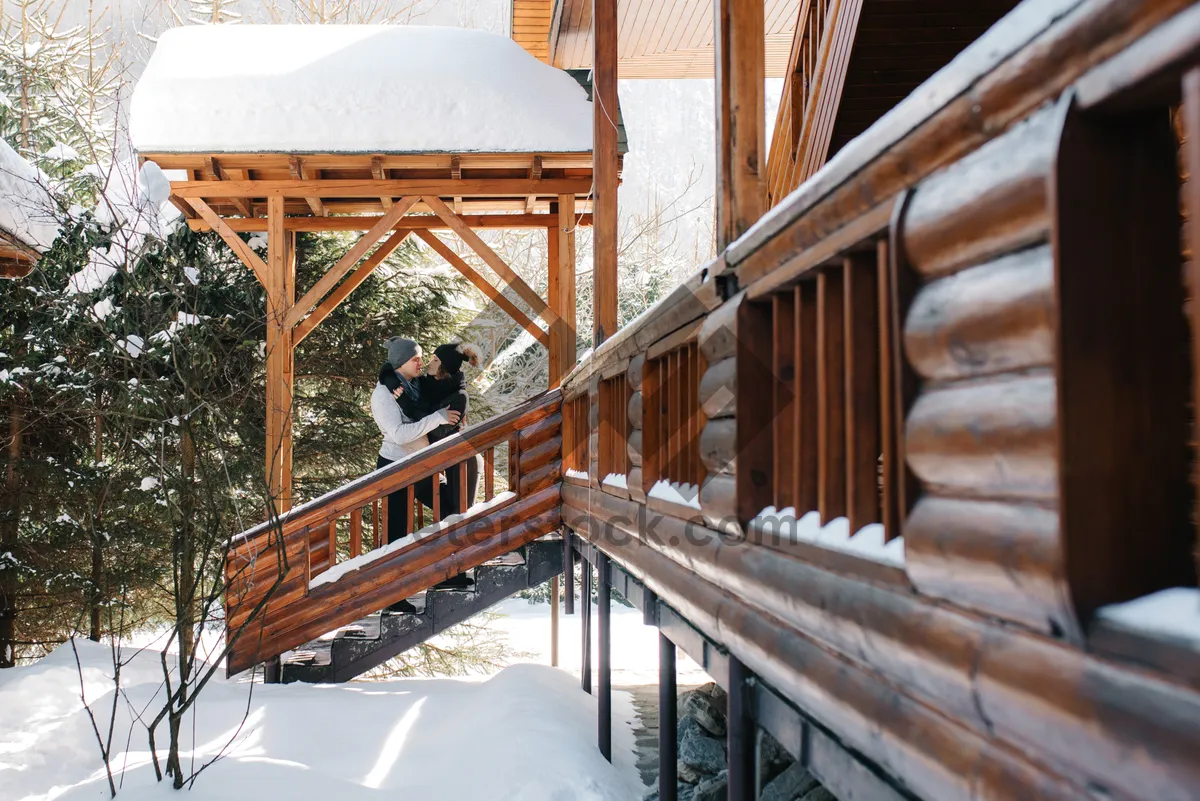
(426, 462)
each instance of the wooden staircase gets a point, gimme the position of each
(373, 640)
(275, 601)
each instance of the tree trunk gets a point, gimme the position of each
(8, 535)
(185, 594)
(97, 543)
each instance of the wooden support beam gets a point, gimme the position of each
(306, 326)
(235, 242)
(561, 290)
(396, 187)
(741, 147)
(347, 262)
(379, 174)
(535, 173)
(190, 214)
(301, 173)
(494, 294)
(456, 174)
(279, 351)
(604, 171)
(212, 168)
(257, 225)
(492, 259)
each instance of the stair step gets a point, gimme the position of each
(506, 560)
(385, 635)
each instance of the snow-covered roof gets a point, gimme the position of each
(353, 89)
(27, 210)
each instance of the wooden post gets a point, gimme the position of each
(356, 532)
(561, 291)
(604, 674)
(280, 276)
(741, 145)
(668, 720)
(604, 165)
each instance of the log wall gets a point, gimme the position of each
(961, 351)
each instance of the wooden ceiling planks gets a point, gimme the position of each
(662, 38)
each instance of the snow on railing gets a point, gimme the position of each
(683, 494)
(618, 480)
(1173, 614)
(868, 542)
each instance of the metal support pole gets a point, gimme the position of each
(668, 720)
(740, 740)
(585, 615)
(568, 572)
(272, 671)
(604, 679)
(554, 621)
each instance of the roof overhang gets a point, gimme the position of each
(657, 38)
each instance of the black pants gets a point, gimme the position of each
(397, 527)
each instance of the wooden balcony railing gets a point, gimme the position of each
(282, 557)
(808, 105)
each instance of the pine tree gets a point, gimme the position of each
(58, 92)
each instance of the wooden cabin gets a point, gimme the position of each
(909, 467)
(28, 223)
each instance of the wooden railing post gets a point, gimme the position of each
(356, 532)
(489, 473)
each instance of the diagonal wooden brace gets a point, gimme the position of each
(492, 259)
(494, 294)
(346, 263)
(235, 242)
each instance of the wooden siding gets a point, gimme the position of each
(531, 26)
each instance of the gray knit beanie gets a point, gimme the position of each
(400, 350)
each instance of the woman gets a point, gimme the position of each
(441, 391)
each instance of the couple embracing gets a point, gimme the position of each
(415, 404)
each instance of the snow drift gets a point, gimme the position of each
(526, 734)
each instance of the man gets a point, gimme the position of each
(402, 436)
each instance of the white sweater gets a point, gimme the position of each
(401, 436)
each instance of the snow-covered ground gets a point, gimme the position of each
(526, 732)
